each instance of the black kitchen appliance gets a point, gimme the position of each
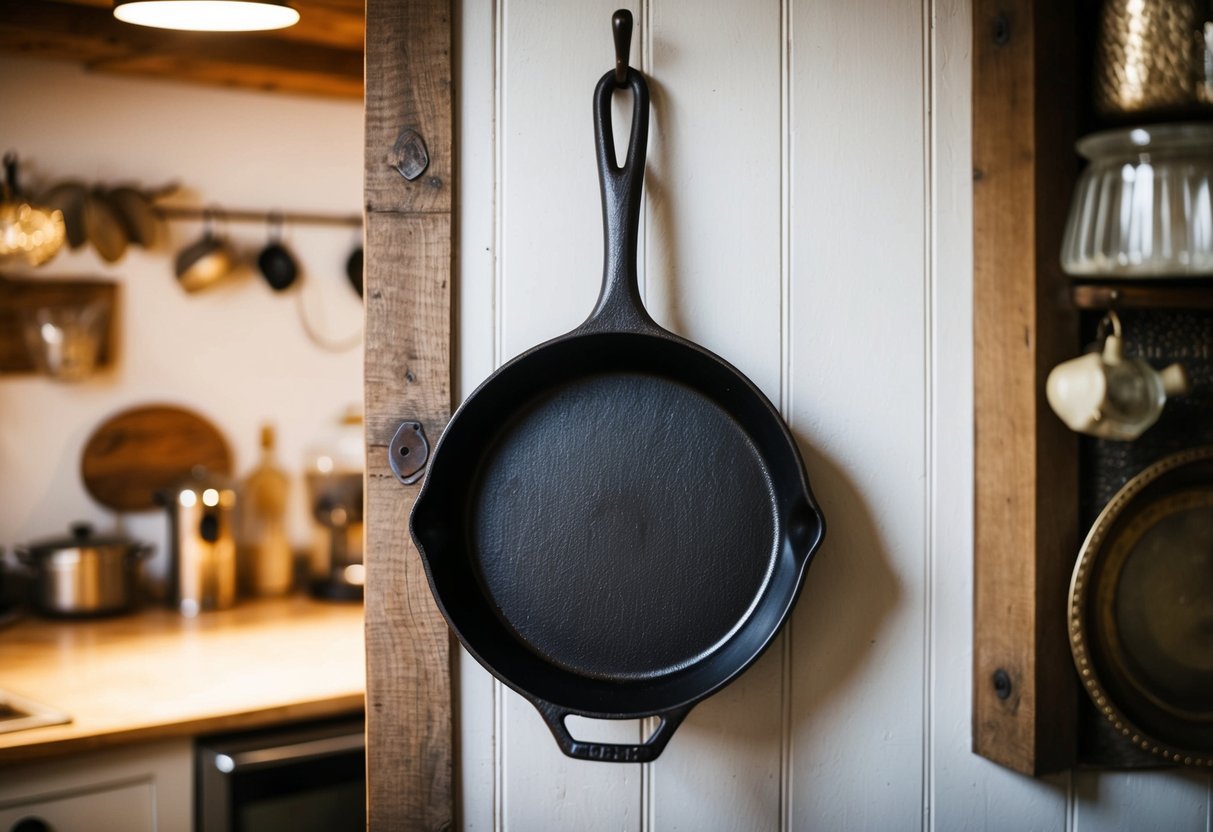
(305, 778)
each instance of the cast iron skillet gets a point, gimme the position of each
(617, 522)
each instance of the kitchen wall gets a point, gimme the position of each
(808, 217)
(236, 354)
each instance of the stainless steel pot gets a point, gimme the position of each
(84, 574)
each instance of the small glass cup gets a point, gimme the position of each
(64, 340)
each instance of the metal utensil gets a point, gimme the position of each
(276, 263)
(137, 214)
(103, 227)
(84, 573)
(69, 197)
(206, 261)
(1141, 609)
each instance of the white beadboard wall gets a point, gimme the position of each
(808, 217)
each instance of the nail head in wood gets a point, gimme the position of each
(409, 154)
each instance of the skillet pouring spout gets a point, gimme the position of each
(617, 522)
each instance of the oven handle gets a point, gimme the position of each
(293, 753)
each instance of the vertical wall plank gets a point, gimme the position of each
(475, 335)
(1127, 800)
(713, 180)
(550, 262)
(966, 791)
(713, 275)
(858, 330)
(550, 252)
(407, 376)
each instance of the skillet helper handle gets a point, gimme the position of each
(619, 305)
(644, 752)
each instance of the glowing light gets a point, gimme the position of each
(207, 15)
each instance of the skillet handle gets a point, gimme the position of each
(644, 752)
(619, 305)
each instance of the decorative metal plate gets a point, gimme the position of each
(1141, 609)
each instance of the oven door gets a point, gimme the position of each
(304, 778)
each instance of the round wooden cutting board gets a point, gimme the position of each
(138, 452)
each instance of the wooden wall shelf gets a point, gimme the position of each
(1143, 294)
(17, 295)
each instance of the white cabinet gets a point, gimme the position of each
(142, 789)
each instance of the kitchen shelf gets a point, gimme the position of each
(1196, 293)
(20, 294)
(1035, 483)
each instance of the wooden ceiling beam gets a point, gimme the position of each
(91, 36)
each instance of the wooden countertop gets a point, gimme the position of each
(156, 675)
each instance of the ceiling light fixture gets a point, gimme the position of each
(208, 15)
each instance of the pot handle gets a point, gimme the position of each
(644, 752)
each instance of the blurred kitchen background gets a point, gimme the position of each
(236, 353)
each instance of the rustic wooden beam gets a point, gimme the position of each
(412, 70)
(408, 377)
(1026, 477)
(91, 36)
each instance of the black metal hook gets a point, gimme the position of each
(621, 25)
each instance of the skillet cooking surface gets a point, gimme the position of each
(609, 543)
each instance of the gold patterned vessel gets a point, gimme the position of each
(1154, 57)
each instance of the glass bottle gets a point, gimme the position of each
(267, 560)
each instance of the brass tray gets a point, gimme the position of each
(1141, 609)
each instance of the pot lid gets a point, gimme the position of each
(80, 535)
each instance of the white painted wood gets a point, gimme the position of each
(145, 787)
(846, 219)
(713, 180)
(475, 753)
(549, 271)
(1126, 801)
(550, 244)
(857, 401)
(713, 275)
(121, 807)
(965, 792)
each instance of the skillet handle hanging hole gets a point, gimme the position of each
(409, 452)
(644, 752)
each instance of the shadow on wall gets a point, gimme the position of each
(849, 592)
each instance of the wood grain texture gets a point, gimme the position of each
(1026, 532)
(19, 296)
(157, 675)
(407, 376)
(409, 86)
(324, 65)
(137, 453)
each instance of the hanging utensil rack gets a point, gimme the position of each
(174, 212)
